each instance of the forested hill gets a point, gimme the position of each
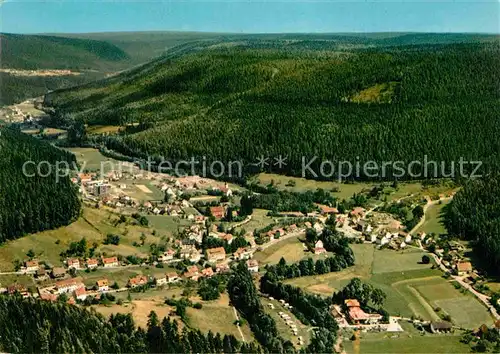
(474, 215)
(30, 202)
(35, 326)
(243, 99)
(35, 52)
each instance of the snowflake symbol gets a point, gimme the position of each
(280, 161)
(262, 161)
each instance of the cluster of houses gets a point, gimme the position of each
(34, 266)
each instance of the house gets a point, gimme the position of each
(161, 280)
(242, 253)
(80, 293)
(222, 268)
(85, 177)
(192, 273)
(138, 280)
(168, 255)
(382, 240)
(17, 288)
(110, 262)
(394, 225)
(41, 274)
(187, 250)
(92, 263)
(464, 268)
(199, 219)
(102, 285)
(32, 266)
(362, 225)
(253, 266)
(226, 190)
(49, 297)
(195, 256)
(357, 213)
(73, 263)
(371, 237)
(318, 247)
(228, 238)
(326, 210)
(207, 272)
(69, 285)
(440, 326)
(217, 212)
(172, 277)
(58, 272)
(421, 235)
(357, 315)
(216, 254)
(100, 189)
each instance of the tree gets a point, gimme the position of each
(311, 236)
(426, 259)
(418, 212)
(246, 205)
(378, 297)
(30, 254)
(77, 132)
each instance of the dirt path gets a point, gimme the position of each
(239, 327)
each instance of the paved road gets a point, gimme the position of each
(460, 279)
(282, 238)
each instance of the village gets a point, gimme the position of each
(210, 238)
(359, 225)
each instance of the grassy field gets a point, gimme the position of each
(142, 189)
(94, 225)
(301, 184)
(433, 219)
(44, 243)
(291, 249)
(139, 309)
(103, 129)
(91, 159)
(259, 220)
(217, 316)
(166, 223)
(387, 261)
(326, 284)
(413, 290)
(409, 341)
(8, 279)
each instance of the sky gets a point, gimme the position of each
(250, 16)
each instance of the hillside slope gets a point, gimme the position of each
(32, 201)
(34, 52)
(238, 100)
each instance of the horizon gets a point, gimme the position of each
(250, 17)
(250, 33)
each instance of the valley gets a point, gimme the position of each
(276, 257)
